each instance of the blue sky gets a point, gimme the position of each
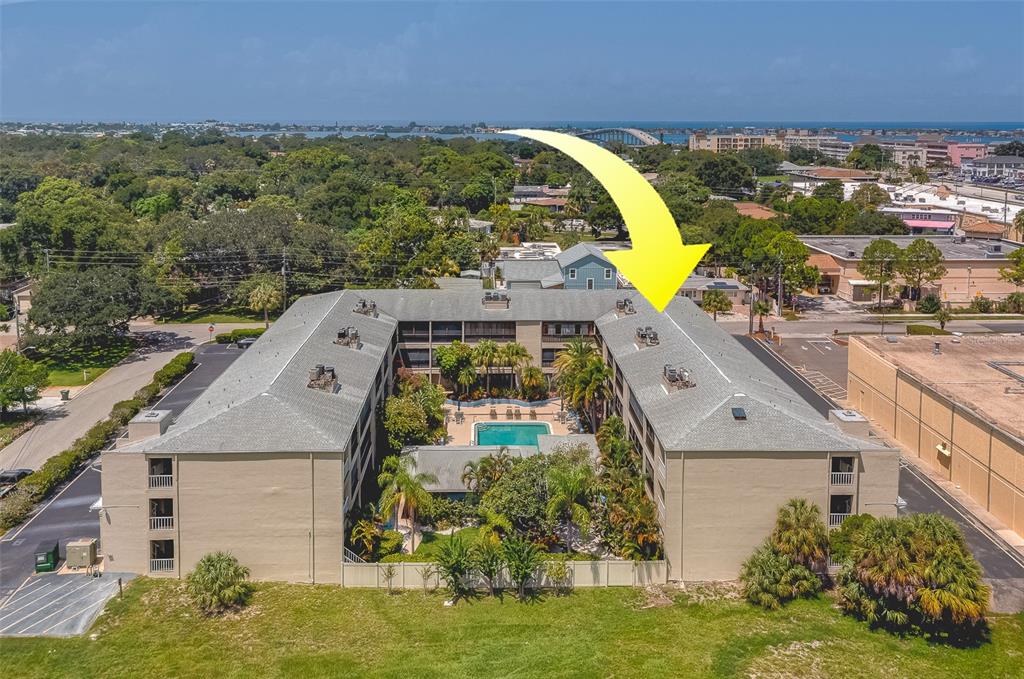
(729, 61)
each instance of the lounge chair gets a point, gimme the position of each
(460, 417)
(508, 413)
(494, 413)
(533, 413)
(518, 414)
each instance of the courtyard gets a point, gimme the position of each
(463, 419)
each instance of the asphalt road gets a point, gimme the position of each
(1002, 566)
(67, 517)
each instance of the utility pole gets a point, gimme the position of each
(780, 287)
(494, 185)
(750, 312)
(284, 280)
(47, 253)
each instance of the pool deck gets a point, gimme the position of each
(461, 433)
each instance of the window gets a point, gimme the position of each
(415, 358)
(547, 357)
(572, 274)
(607, 274)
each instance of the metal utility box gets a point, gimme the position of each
(47, 556)
(81, 553)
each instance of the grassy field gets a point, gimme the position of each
(13, 424)
(76, 367)
(208, 315)
(326, 631)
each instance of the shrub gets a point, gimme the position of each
(453, 563)
(800, 534)
(218, 583)
(841, 539)
(1014, 303)
(929, 304)
(237, 334)
(981, 305)
(390, 543)
(556, 570)
(919, 329)
(770, 579)
(488, 560)
(14, 507)
(522, 559)
(443, 513)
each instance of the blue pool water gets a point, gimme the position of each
(510, 434)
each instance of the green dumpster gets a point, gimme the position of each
(47, 556)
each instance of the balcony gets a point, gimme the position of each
(161, 522)
(161, 565)
(842, 478)
(836, 520)
(161, 480)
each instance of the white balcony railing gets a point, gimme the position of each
(842, 478)
(161, 480)
(161, 522)
(161, 565)
(836, 520)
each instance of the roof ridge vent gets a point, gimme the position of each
(676, 378)
(366, 307)
(349, 337)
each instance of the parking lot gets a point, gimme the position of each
(58, 605)
(820, 361)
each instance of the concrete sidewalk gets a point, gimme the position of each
(63, 423)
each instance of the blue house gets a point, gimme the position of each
(584, 267)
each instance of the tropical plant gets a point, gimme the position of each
(800, 534)
(714, 301)
(522, 559)
(878, 266)
(454, 565)
(485, 355)
(366, 533)
(943, 316)
(556, 570)
(570, 488)
(611, 430)
(532, 381)
(770, 579)
(488, 560)
(1015, 300)
(466, 377)
(263, 293)
(218, 582)
(586, 388)
(513, 355)
(402, 486)
(493, 526)
(841, 539)
(577, 353)
(426, 572)
(761, 309)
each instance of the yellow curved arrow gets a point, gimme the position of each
(658, 263)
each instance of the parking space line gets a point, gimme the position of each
(46, 589)
(47, 505)
(76, 615)
(26, 583)
(51, 603)
(73, 602)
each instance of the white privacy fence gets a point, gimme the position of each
(408, 575)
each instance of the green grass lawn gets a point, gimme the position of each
(208, 315)
(430, 543)
(12, 424)
(773, 178)
(326, 631)
(75, 367)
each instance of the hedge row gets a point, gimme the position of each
(240, 333)
(61, 466)
(920, 329)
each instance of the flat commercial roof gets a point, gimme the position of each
(984, 373)
(970, 249)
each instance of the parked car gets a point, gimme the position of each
(12, 476)
(245, 342)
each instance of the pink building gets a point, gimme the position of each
(958, 152)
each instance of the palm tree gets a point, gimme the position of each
(466, 377)
(590, 389)
(943, 316)
(532, 379)
(493, 525)
(514, 355)
(471, 476)
(576, 353)
(218, 582)
(762, 308)
(485, 354)
(264, 295)
(367, 533)
(569, 491)
(401, 486)
(611, 429)
(801, 535)
(714, 301)
(493, 467)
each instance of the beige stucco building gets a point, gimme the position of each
(957, 407)
(268, 461)
(727, 143)
(972, 266)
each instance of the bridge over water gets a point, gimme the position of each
(630, 136)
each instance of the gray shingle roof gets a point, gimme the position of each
(727, 376)
(528, 270)
(447, 463)
(578, 252)
(838, 246)
(262, 403)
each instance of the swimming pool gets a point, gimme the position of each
(509, 433)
